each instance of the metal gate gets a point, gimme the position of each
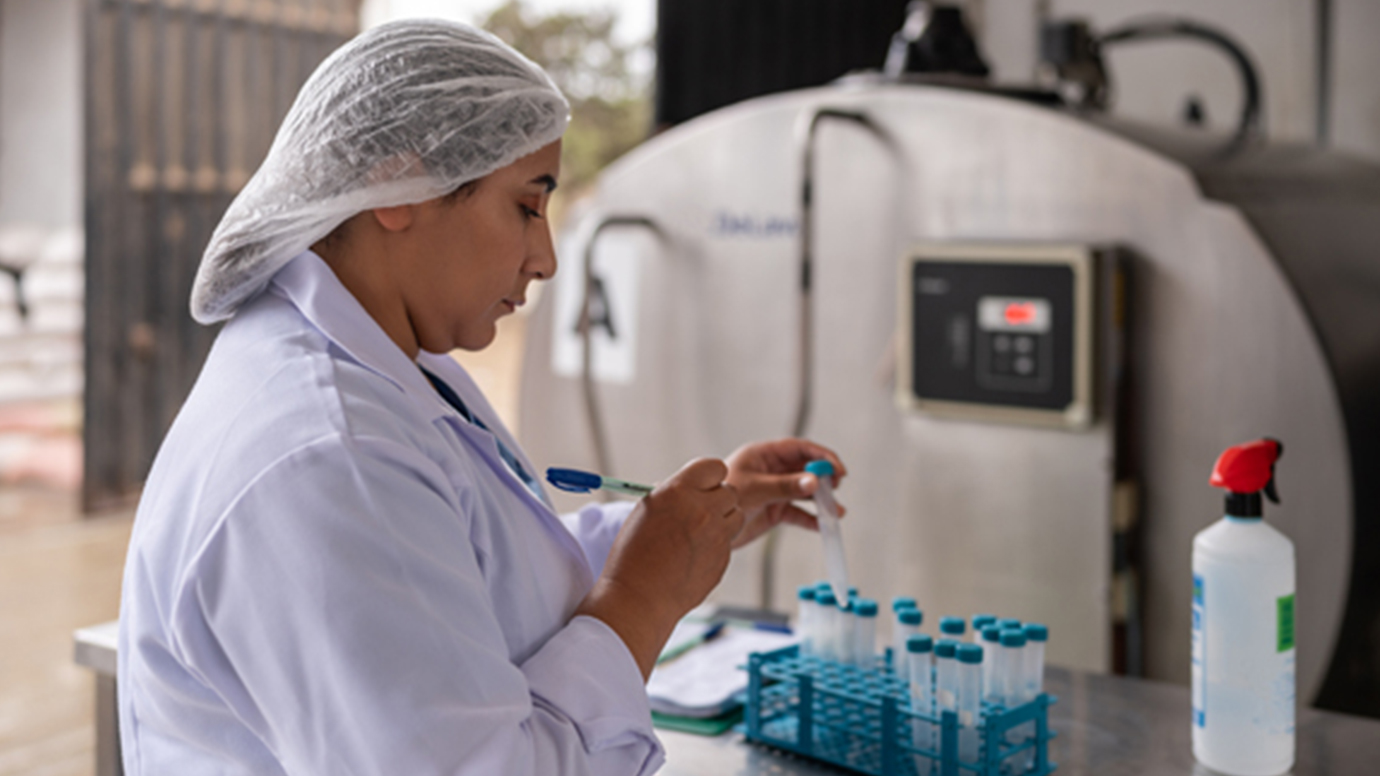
(182, 99)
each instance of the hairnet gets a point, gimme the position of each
(403, 113)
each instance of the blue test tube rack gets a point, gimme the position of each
(860, 718)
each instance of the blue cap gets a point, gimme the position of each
(846, 606)
(865, 607)
(820, 468)
(1010, 624)
(945, 648)
(1036, 632)
(806, 593)
(991, 633)
(953, 626)
(1012, 638)
(920, 643)
(910, 617)
(903, 602)
(825, 597)
(969, 653)
(852, 593)
(981, 621)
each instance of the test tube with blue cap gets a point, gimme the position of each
(827, 509)
(1033, 669)
(919, 657)
(968, 699)
(952, 627)
(946, 675)
(907, 624)
(827, 621)
(981, 621)
(992, 688)
(864, 632)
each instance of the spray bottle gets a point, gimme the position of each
(1243, 625)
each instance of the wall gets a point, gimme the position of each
(1152, 80)
(41, 174)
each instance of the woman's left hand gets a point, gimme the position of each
(769, 476)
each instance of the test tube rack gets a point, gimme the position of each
(860, 718)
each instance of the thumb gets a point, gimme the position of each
(703, 473)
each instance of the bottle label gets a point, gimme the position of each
(1199, 670)
(1284, 605)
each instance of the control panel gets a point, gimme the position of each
(1000, 333)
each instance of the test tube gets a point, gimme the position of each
(919, 656)
(1034, 674)
(864, 632)
(968, 700)
(945, 675)
(981, 621)
(903, 602)
(952, 627)
(1013, 643)
(827, 617)
(1013, 685)
(907, 624)
(991, 644)
(805, 618)
(844, 640)
(1010, 623)
(1035, 637)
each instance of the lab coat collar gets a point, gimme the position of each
(313, 288)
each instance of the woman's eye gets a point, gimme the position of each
(529, 212)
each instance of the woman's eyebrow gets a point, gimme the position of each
(546, 180)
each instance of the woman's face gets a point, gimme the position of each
(471, 256)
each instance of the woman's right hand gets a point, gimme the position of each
(671, 552)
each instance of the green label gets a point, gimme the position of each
(1285, 606)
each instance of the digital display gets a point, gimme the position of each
(1014, 314)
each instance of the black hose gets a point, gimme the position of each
(1158, 29)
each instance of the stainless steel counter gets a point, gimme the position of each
(1107, 726)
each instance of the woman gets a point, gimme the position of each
(343, 563)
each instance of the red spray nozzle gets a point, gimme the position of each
(1249, 468)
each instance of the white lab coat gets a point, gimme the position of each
(332, 572)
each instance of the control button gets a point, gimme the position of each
(1025, 344)
(1001, 343)
(1024, 365)
(1001, 364)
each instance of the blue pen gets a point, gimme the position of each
(576, 481)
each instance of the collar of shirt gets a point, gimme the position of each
(308, 282)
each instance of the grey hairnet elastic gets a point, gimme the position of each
(405, 112)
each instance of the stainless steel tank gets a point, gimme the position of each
(1250, 309)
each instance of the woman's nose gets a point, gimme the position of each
(541, 256)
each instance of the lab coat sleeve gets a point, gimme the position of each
(595, 527)
(341, 611)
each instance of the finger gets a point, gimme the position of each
(725, 499)
(796, 452)
(734, 522)
(799, 518)
(766, 488)
(702, 473)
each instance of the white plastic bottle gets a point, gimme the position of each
(1243, 625)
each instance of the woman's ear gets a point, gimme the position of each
(394, 219)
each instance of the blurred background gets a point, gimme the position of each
(127, 127)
